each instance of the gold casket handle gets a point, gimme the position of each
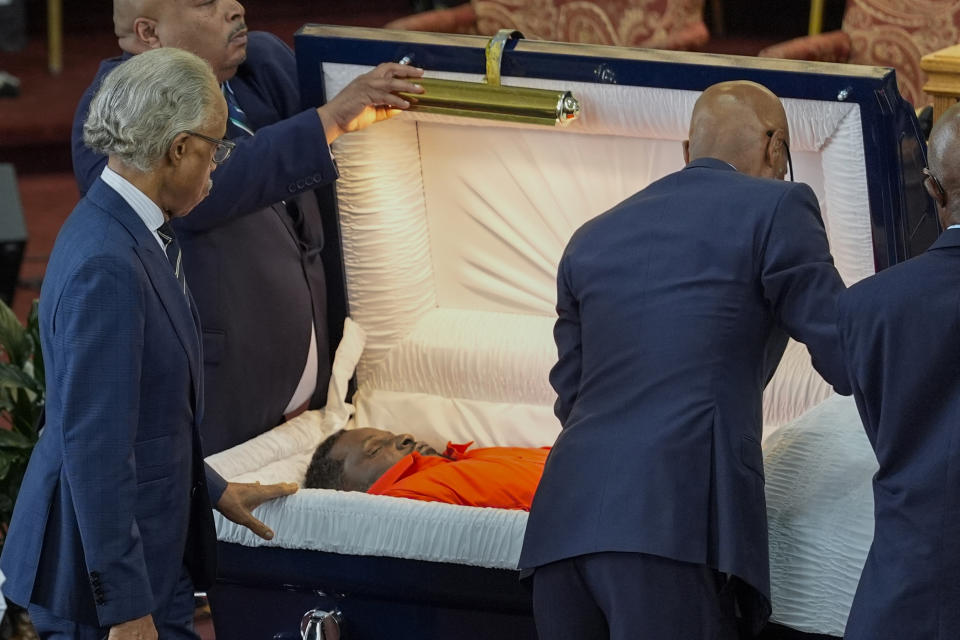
(495, 49)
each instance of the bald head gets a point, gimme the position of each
(943, 158)
(742, 123)
(213, 30)
(125, 13)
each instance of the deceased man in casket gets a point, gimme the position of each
(388, 464)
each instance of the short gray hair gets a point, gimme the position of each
(144, 103)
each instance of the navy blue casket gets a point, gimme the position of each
(446, 239)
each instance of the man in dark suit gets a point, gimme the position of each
(112, 527)
(900, 332)
(674, 310)
(252, 248)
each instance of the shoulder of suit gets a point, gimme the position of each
(263, 46)
(92, 240)
(106, 66)
(878, 287)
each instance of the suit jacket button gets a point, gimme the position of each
(317, 179)
(300, 184)
(292, 188)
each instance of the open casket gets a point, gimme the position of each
(450, 230)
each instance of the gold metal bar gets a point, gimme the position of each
(476, 100)
(55, 36)
(816, 17)
(495, 54)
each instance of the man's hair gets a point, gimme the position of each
(324, 472)
(147, 101)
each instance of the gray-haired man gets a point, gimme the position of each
(113, 528)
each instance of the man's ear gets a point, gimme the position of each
(774, 150)
(145, 31)
(686, 152)
(935, 192)
(178, 149)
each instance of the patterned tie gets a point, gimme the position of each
(236, 115)
(172, 247)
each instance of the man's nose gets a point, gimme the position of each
(235, 11)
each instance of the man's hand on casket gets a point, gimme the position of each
(241, 498)
(369, 98)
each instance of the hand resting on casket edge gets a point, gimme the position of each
(241, 498)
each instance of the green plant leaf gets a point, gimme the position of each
(5, 463)
(25, 414)
(33, 330)
(13, 377)
(14, 440)
(13, 337)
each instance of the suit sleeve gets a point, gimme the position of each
(565, 375)
(99, 338)
(216, 484)
(801, 283)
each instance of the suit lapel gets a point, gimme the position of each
(161, 275)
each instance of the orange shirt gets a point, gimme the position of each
(501, 477)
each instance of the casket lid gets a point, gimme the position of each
(904, 223)
(451, 229)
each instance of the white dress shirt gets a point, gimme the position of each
(143, 206)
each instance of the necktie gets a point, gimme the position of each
(242, 129)
(172, 247)
(235, 114)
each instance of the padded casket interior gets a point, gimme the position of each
(452, 230)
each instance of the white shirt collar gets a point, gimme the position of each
(954, 226)
(144, 207)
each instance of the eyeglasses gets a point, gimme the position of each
(223, 147)
(786, 148)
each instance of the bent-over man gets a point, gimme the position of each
(674, 309)
(900, 331)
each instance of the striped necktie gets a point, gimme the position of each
(174, 255)
(235, 114)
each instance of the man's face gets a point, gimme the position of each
(368, 453)
(191, 181)
(212, 29)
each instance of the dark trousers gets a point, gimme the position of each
(174, 621)
(631, 596)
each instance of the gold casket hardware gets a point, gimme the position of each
(490, 99)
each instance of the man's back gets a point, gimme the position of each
(901, 335)
(674, 309)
